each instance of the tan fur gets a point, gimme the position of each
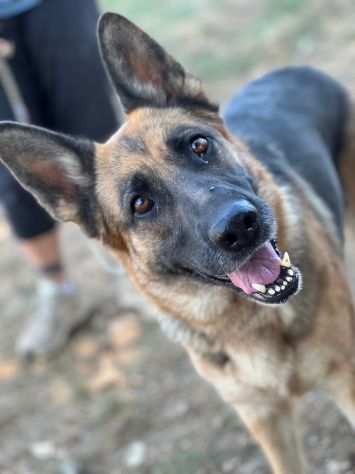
(272, 355)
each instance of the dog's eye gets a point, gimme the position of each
(200, 146)
(142, 205)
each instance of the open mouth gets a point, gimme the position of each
(266, 276)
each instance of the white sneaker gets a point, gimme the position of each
(59, 311)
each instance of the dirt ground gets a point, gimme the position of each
(123, 399)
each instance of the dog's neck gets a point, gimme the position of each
(207, 333)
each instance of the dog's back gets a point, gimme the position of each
(293, 120)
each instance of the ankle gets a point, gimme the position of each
(53, 271)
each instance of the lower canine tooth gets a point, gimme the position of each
(271, 291)
(288, 278)
(277, 288)
(283, 287)
(260, 288)
(286, 262)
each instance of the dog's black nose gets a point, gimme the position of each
(236, 226)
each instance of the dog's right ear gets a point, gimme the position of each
(142, 72)
(57, 169)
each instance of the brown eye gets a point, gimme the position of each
(199, 146)
(142, 205)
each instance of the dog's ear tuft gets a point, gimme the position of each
(142, 72)
(57, 169)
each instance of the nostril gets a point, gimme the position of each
(230, 239)
(250, 221)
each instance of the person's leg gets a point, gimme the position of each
(35, 231)
(76, 98)
(43, 252)
(66, 89)
(27, 219)
(65, 105)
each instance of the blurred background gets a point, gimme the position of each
(121, 398)
(227, 42)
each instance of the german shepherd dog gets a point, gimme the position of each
(220, 223)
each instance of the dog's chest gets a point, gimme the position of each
(242, 358)
(265, 361)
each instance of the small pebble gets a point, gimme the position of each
(135, 454)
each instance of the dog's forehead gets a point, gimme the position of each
(151, 127)
(142, 140)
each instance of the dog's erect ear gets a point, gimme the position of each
(142, 72)
(57, 169)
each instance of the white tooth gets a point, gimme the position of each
(283, 287)
(286, 262)
(260, 288)
(288, 278)
(285, 283)
(271, 291)
(290, 272)
(277, 288)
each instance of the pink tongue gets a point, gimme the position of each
(262, 268)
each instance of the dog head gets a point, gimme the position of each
(185, 206)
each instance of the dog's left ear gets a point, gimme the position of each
(57, 169)
(141, 71)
